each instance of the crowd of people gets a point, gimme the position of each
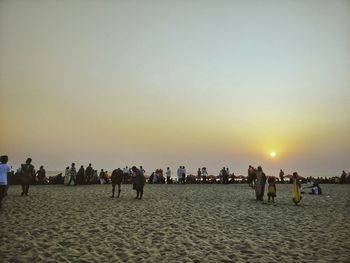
(256, 179)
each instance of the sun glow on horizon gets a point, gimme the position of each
(273, 154)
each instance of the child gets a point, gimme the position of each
(271, 190)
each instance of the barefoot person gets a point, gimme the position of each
(296, 189)
(4, 170)
(28, 173)
(139, 182)
(117, 178)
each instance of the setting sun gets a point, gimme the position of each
(273, 154)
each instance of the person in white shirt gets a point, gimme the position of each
(179, 175)
(4, 170)
(204, 175)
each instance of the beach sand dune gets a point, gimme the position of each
(173, 223)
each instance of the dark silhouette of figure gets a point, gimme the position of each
(343, 177)
(138, 182)
(89, 172)
(282, 176)
(80, 175)
(260, 184)
(250, 176)
(224, 176)
(41, 173)
(183, 178)
(28, 173)
(117, 179)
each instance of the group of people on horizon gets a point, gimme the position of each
(256, 179)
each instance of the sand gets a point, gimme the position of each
(173, 223)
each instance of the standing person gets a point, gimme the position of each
(183, 174)
(179, 175)
(117, 179)
(139, 182)
(72, 174)
(221, 176)
(168, 175)
(282, 176)
(95, 177)
(4, 170)
(28, 173)
(81, 175)
(102, 177)
(126, 176)
(296, 189)
(343, 177)
(224, 176)
(249, 177)
(142, 170)
(155, 177)
(89, 172)
(254, 177)
(41, 174)
(271, 190)
(66, 176)
(204, 175)
(199, 174)
(260, 184)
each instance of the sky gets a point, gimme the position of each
(169, 83)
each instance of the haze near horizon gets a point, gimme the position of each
(168, 83)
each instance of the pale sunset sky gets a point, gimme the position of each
(169, 83)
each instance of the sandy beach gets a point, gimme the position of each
(173, 223)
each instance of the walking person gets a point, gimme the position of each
(117, 179)
(4, 170)
(139, 182)
(28, 173)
